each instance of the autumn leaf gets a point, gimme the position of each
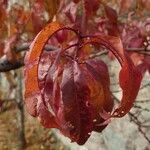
(112, 25)
(3, 15)
(51, 7)
(91, 7)
(76, 1)
(125, 5)
(129, 75)
(1, 49)
(37, 15)
(73, 94)
(31, 72)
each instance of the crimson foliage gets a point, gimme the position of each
(74, 95)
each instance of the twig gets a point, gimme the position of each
(26, 46)
(136, 49)
(142, 101)
(143, 109)
(5, 65)
(144, 86)
(98, 54)
(137, 122)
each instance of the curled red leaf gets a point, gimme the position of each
(129, 77)
(72, 93)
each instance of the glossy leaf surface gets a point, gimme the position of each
(73, 94)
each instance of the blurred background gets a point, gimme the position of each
(19, 23)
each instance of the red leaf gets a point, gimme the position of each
(1, 49)
(31, 69)
(61, 102)
(76, 1)
(91, 7)
(112, 25)
(37, 14)
(76, 112)
(111, 14)
(70, 11)
(125, 5)
(3, 14)
(4, 3)
(103, 100)
(130, 76)
(74, 96)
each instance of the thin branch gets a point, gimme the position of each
(141, 108)
(139, 125)
(5, 65)
(137, 122)
(26, 46)
(98, 54)
(144, 86)
(142, 101)
(136, 49)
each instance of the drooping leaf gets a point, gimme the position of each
(100, 92)
(76, 112)
(129, 76)
(112, 25)
(73, 95)
(73, 113)
(91, 7)
(31, 70)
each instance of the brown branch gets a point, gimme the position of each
(5, 65)
(141, 108)
(98, 54)
(26, 46)
(143, 101)
(141, 50)
(135, 119)
(135, 49)
(144, 86)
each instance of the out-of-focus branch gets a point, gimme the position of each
(5, 65)
(139, 50)
(140, 126)
(134, 117)
(26, 46)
